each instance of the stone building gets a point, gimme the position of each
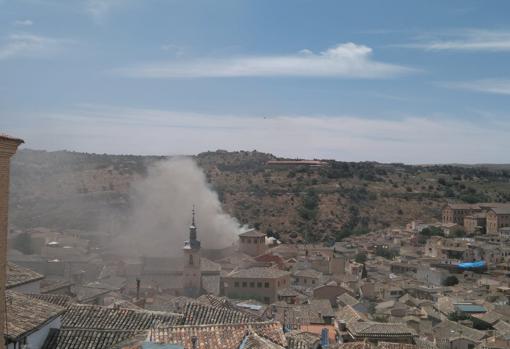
(475, 223)
(497, 218)
(256, 283)
(455, 213)
(8, 146)
(252, 243)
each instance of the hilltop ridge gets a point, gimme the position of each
(74, 190)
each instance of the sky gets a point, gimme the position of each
(391, 81)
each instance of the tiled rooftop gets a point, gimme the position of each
(56, 299)
(253, 233)
(258, 273)
(301, 340)
(81, 316)
(222, 336)
(377, 329)
(85, 339)
(26, 313)
(197, 314)
(18, 275)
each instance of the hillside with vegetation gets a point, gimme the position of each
(66, 190)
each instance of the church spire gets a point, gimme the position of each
(193, 216)
(193, 242)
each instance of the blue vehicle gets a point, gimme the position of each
(474, 266)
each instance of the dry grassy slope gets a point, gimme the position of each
(74, 190)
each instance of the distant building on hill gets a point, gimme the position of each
(481, 217)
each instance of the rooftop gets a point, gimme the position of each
(225, 336)
(198, 314)
(18, 275)
(26, 314)
(258, 273)
(84, 338)
(4, 137)
(371, 329)
(56, 299)
(82, 316)
(253, 233)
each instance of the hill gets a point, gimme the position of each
(84, 191)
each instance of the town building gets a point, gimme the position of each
(455, 213)
(8, 146)
(29, 320)
(498, 218)
(252, 242)
(256, 283)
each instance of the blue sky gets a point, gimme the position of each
(407, 81)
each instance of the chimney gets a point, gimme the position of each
(194, 342)
(137, 288)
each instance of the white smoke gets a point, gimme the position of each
(161, 211)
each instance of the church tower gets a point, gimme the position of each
(192, 273)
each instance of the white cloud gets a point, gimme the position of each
(467, 40)
(495, 86)
(99, 9)
(347, 60)
(23, 23)
(141, 131)
(29, 45)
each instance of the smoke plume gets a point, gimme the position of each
(161, 211)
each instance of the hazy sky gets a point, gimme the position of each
(394, 81)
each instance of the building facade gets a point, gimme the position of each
(252, 243)
(455, 213)
(497, 218)
(256, 283)
(8, 147)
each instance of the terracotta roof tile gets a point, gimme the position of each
(85, 339)
(18, 275)
(56, 299)
(224, 336)
(198, 314)
(82, 316)
(24, 313)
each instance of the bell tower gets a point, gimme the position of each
(192, 273)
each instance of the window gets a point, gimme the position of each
(236, 284)
(267, 300)
(313, 282)
(266, 284)
(244, 283)
(252, 284)
(259, 284)
(190, 259)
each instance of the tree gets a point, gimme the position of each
(451, 281)
(360, 257)
(23, 243)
